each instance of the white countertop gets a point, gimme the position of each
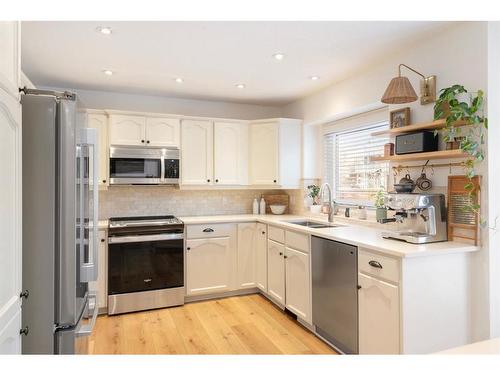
(354, 234)
(482, 347)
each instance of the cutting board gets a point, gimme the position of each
(463, 225)
(272, 199)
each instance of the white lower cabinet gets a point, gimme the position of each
(261, 257)
(246, 255)
(10, 339)
(209, 265)
(297, 283)
(101, 285)
(276, 271)
(378, 316)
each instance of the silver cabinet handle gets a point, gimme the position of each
(208, 230)
(375, 264)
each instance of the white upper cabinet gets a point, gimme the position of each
(127, 130)
(163, 132)
(10, 191)
(230, 153)
(10, 71)
(264, 168)
(246, 255)
(197, 152)
(275, 152)
(99, 121)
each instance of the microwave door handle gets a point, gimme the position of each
(90, 269)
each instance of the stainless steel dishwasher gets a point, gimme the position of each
(335, 293)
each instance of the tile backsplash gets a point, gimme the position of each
(162, 200)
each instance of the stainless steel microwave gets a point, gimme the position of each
(143, 166)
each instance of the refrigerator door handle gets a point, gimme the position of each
(86, 330)
(90, 269)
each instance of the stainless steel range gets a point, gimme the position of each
(145, 263)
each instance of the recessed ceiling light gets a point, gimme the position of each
(104, 30)
(179, 80)
(108, 72)
(313, 78)
(240, 85)
(279, 56)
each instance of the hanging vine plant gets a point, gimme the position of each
(456, 105)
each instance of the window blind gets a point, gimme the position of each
(347, 165)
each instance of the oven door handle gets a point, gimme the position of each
(153, 237)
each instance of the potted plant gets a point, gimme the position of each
(381, 210)
(456, 104)
(313, 193)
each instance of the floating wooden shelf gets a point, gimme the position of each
(446, 154)
(438, 124)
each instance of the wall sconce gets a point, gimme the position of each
(401, 91)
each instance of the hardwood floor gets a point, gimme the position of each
(236, 325)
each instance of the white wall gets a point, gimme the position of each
(457, 54)
(162, 104)
(494, 176)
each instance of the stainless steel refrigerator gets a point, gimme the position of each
(60, 202)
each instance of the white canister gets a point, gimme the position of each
(255, 206)
(262, 208)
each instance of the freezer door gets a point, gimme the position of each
(71, 292)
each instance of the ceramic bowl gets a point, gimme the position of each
(277, 209)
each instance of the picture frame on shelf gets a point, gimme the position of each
(399, 117)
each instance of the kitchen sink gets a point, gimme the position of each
(312, 224)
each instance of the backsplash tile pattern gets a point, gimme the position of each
(161, 200)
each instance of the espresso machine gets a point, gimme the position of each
(419, 218)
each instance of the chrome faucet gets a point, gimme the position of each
(329, 206)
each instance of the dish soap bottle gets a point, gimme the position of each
(255, 206)
(262, 208)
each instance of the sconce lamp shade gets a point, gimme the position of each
(399, 91)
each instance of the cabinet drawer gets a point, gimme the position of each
(378, 265)
(276, 234)
(297, 241)
(210, 230)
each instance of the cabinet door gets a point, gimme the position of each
(197, 152)
(208, 265)
(378, 316)
(10, 339)
(127, 130)
(100, 122)
(261, 257)
(163, 132)
(264, 154)
(101, 285)
(10, 222)
(276, 271)
(297, 285)
(246, 255)
(10, 71)
(230, 153)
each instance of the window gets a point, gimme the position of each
(348, 169)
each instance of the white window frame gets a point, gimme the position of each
(334, 182)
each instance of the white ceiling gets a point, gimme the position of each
(211, 57)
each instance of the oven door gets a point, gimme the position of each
(145, 263)
(128, 166)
